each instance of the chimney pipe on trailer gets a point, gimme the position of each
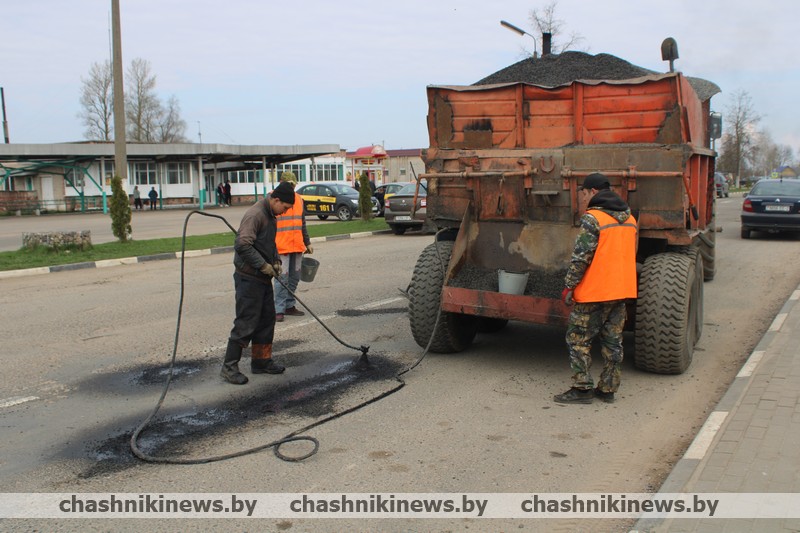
(547, 39)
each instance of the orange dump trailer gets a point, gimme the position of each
(503, 170)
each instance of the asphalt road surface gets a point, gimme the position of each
(85, 356)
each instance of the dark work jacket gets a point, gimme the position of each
(255, 241)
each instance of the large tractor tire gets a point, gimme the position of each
(455, 331)
(669, 312)
(707, 244)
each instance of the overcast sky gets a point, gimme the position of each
(354, 72)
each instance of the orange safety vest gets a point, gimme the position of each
(612, 273)
(289, 235)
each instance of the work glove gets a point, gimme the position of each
(272, 271)
(309, 249)
(566, 295)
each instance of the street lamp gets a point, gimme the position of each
(520, 31)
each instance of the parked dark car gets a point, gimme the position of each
(387, 190)
(332, 198)
(401, 211)
(721, 184)
(772, 205)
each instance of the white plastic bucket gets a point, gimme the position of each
(308, 269)
(512, 282)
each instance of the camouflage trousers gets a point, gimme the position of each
(587, 321)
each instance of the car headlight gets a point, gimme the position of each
(354, 202)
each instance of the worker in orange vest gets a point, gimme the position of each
(601, 276)
(292, 241)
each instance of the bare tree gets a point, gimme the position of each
(171, 127)
(545, 21)
(768, 156)
(738, 143)
(148, 120)
(97, 102)
(142, 106)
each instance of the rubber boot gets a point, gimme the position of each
(230, 367)
(262, 363)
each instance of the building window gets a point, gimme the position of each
(178, 173)
(298, 170)
(74, 177)
(144, 173)
(326, 172)
(238, 176)
(108, 170)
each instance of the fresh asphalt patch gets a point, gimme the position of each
(315, 385)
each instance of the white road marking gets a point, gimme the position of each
(193, 253)
(24, 272)
(750, 365)
(703, 440)
(380, 303)
(778, 322)
(310, 320)
(16, 401)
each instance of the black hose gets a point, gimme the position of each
(291, 437)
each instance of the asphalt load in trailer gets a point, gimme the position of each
(554, 70)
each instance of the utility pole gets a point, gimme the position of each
(120, 149)
(5, 122)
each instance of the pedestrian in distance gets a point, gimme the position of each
(292, 241)
(221, 194)
(137, 198)
(600, 277)
(256, 262)
(153, 195)
(228, 196)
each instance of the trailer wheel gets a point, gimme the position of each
(668, 312)
(707, 244)
(454, 331)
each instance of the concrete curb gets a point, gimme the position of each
(160, 257)
(698, 451)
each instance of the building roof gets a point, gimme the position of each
(405, 152)
(209, 153)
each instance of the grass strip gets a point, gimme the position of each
(40, 257)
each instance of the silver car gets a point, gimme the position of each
(721, 185)
(407, 208)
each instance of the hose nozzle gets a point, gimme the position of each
(363, 361)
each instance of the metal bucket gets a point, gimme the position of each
(308, 269)
(512, 282)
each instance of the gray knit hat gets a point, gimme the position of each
(284, 192)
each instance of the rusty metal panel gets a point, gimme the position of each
(519, 247)
(498, 305)
(498, 198)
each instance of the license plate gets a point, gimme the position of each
(402, 217)
(782, 208)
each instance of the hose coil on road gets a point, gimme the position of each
(295, 436)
